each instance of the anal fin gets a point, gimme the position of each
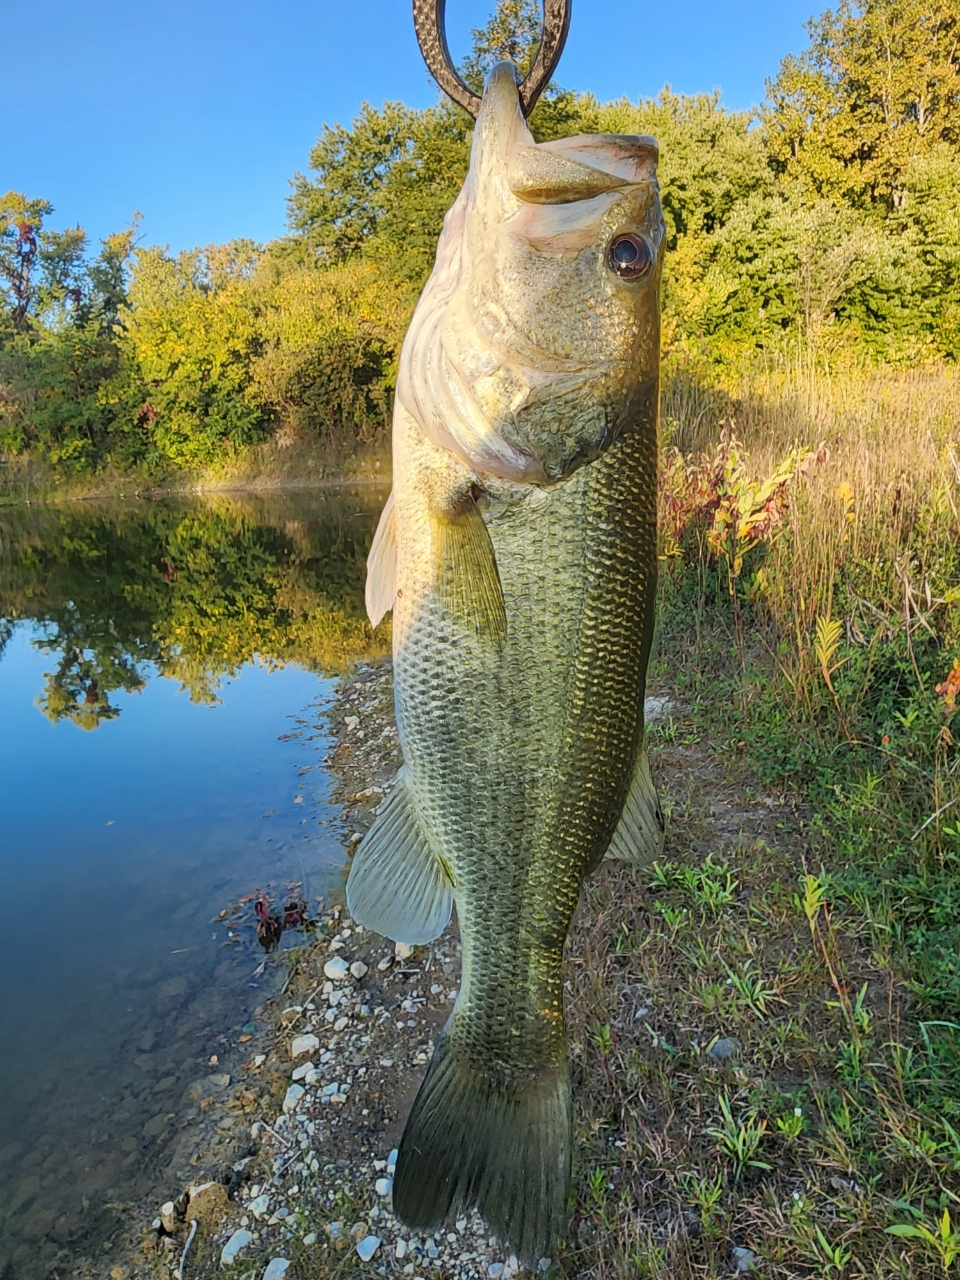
(639, 834)
(398, 886)
(468, 581)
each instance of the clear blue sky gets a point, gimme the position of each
(197, 112)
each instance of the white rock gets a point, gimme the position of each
(336, 969)
(383, 1186)
(276, 1269)
(655, 709)
(358, 969)
(367, 1247)
(259, 1206)
(303, 1044)
(310, 1238)
(312, 1078)
(341, 1023)
(401, 1250)
(259, 1059)
(385, 964)
(402, 951)
(301, 1072)
(495, 1270)
(167, 1217)
(239, 1240)
(292, 1097)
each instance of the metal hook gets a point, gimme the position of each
(429, 23)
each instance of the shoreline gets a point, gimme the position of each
(295, 1180)
(267, 467)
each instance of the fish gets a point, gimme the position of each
(518, 552)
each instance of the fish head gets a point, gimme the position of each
(536, 339)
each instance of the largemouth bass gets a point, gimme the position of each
(518, 552)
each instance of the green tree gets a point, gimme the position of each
(190, 337)
(39, 268)
(511, 34)
(878, 88)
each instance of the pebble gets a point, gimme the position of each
(276, 1269)
(303, 1044)
(358, 969)
(310, 1238)
(402, 951)
(385, 964)
(724, 1049)
(168, 1217)
(301, 1072)
(367, 1247)
(239, 1240)
(336, 969)
(292, 1097)
(259, 1206)
(743, 1260)
(495, 1270)
(401, 1249)
(383, 1186)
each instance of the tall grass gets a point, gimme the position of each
(850, 593)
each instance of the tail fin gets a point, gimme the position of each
(503, 1147)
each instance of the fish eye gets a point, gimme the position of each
(630, 257)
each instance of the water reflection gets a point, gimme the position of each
(123, 992)
(189, 590)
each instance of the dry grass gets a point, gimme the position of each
(893, 437)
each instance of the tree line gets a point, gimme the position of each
(827, 219)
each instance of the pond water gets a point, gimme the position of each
(163, 676)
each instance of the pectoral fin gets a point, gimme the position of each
(468, 581)
(381, 588)
(397, 885)
(639, 835)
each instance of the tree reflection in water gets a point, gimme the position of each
(187, 589)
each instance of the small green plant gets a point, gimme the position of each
(603, 1039)
(714, 886)
(751, 989)
(705, 1193)
(673, 917)
(791, 1124)
(830, 1257)
(940, 1237)
(810, 899)
(739, 1139)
